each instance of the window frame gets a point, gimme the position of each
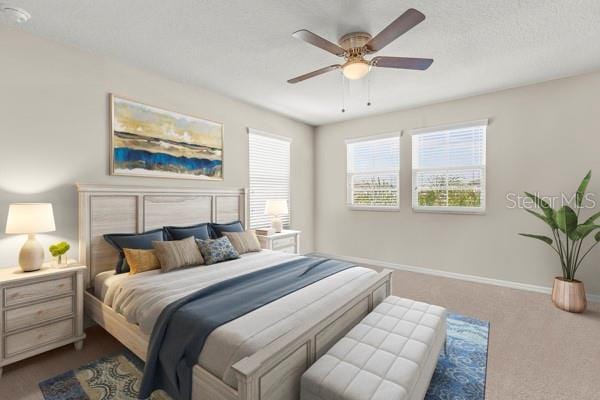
(483, 167)
(349, 175)
(287, 139)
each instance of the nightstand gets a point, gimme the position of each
(287, 241)
(40, 311)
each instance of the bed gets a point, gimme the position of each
(260, 355)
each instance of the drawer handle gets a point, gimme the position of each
(15, 295)
(61, 285)
(40, 336)
(40, 312)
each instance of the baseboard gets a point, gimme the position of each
(595, 298)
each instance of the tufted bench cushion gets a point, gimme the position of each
(390, 355)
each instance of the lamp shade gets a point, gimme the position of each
(30, 218)
(355, 70)
(276, 207)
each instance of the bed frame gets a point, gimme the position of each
(272, 373)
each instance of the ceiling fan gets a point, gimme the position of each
(354, 46)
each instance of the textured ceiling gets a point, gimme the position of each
(244, 48)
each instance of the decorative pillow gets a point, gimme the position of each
(141, 260)
(177, 254)
(200, 231)
(122, 241)
(218, 229)
(243, 242)
(216, 250)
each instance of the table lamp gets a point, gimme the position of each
(276, 208)
(30, 218)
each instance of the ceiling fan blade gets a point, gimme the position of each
(402, 62)
(318, 41)
(393, 31)
(314, 73)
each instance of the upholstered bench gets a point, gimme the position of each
(390, 355)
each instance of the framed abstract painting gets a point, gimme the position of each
(152, 142)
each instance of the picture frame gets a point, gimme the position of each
(152, 142)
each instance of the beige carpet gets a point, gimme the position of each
(536, 351)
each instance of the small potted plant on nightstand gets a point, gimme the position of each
(567, 240)
(59, 250)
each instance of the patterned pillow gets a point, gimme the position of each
(243, 242)
(217, 250)
(177, 254)
(141, 260)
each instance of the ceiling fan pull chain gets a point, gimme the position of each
(369, 88)
(343, 90)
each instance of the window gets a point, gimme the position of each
(373, 172)
(448, 168)
(269, 170)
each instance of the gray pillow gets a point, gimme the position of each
(243, 242)
(177, 254)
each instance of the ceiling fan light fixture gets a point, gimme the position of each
(354, 46)
(354, 70)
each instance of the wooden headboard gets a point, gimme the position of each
(136, 209)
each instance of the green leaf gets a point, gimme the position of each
(541, 203)
(546, 209)
(63, 246)
(592, 219)
(597, 236)
(59, 249)
(543, 238)
(583, 230)
(582, 187)
(566, 220)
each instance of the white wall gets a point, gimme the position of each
(54, 130)
(541, 138)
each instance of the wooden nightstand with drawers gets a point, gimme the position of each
(40, 311)
(287, 240)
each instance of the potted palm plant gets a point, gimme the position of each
(568, 236)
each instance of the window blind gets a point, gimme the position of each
(373, 172)
(269, 175)
(448, 168)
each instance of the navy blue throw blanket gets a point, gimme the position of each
(183, 326)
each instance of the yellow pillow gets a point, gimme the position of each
(141, 260)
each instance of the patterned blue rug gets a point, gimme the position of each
(459, 375)
(461, 370)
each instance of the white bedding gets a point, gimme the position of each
(103, 280)
(141, 298)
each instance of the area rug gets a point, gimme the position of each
(461, 369)
(115, 377)
(459, 375)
